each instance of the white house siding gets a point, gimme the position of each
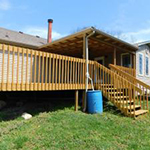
(145, 50)
(15, 67)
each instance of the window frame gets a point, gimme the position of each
(123, 54)
(146, 56)
(142, 64)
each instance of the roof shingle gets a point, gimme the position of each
(20, 38)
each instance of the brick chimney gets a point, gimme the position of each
(49, 38)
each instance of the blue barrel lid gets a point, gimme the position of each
(95, 91)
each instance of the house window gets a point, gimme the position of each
(126, 60)
(141, 64)
(147, 65)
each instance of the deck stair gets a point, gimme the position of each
(123, 93)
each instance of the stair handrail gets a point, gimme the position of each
(128, 70)
(137, 88)
(128, 76)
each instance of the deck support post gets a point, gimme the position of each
(76, 100)
(114, 61)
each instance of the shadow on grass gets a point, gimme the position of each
(38, 102)
(35, 103)
(109, 107)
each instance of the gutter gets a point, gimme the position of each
(87, 67)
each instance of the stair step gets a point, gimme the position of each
(132, 107)
(120, 97)
(124, 102)
(110, 89)
(112, 93)
(139, 112)
(106, 85)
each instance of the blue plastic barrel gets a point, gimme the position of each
(94, 102)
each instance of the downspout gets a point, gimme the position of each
(87, 67)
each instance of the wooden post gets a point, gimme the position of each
(114, 56)
(134, 64)
(76, 100)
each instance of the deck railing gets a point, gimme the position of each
(30, 70)
(130, 71)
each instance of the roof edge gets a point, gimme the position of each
(113, 37)
(143, 43)
(90, 29)
(69, 36)
(18, 44)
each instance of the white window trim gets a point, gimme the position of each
(100, 58)
(148, 66)
(139, 64)
(130, 58)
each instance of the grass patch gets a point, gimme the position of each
(65, 129)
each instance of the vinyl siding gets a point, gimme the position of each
(15, 67)
(145, 51)
(29, 78)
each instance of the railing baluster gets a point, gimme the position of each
(56, 76)
(70, 74)
(46, 72)
(134, 100)
(39, 71)
(59, 72)
(143, 98)
(18, 57)
(147, 99)
(27, 67)
(62, 74)
(68, 68)
(50, 72)
(78, 73)
(8, 60)
(81, 73)
(22, 68)
(53, 74)
(65, 73)
(43, 70)
(73, 74)
(13, 60)
(31, 67)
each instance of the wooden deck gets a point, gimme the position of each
(31, 70)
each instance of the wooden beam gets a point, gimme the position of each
(76, 100)
(108, 43)
(133, 61)
(84, 46)
(114, 56)
(134, 64)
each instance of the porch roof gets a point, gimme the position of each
(100, 43)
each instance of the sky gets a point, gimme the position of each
(126, 19)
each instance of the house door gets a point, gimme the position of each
(126, 60)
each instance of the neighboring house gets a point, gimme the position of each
(20, 39)
(143, 62)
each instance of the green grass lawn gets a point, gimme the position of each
(62, 128)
